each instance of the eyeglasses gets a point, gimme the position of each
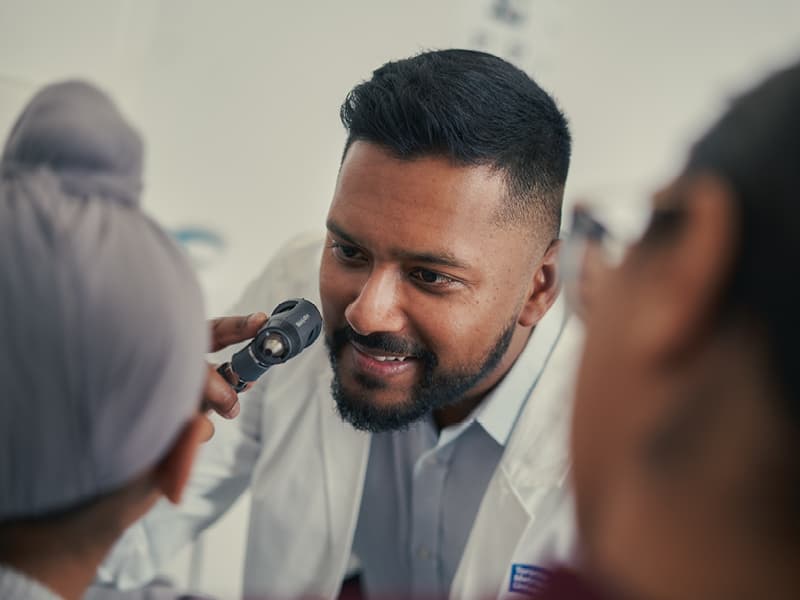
(601, 230)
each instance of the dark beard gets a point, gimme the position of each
(435, 390)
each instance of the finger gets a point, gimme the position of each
(219, 396)
(206, 429)
(230, 330)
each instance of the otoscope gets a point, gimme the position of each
(291, 328)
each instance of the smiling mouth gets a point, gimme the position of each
(389, 358)
(380, 363)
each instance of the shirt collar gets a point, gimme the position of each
(498, 413)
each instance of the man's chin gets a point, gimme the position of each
(367, 385)
(375, 409)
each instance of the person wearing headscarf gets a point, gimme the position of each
(102, 342)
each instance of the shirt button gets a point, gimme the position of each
(423, 553)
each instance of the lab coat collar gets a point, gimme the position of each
(537, 452)
(500, 410)
(514, 517)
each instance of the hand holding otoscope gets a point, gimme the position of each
(292, 327)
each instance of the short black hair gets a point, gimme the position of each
(475, 109)
(755, 147)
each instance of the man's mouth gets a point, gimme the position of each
(389, 358)
(379, 354)
(380, 363)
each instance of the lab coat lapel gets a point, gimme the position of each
(345, 454)
(528, 484)
(304, 509)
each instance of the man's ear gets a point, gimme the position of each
(680, 291)
(544, 287)
(172, 473)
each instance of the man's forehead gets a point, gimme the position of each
(425, 208)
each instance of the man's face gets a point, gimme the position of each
(421, 286)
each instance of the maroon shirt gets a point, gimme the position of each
(563, 584)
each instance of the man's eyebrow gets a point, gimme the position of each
(339, 232)
(444, 259)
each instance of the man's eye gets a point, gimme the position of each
(345, 252)
(432, 278)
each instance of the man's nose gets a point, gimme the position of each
(377, 306)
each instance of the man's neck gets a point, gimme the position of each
(455, 413)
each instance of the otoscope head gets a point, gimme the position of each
(293, 326)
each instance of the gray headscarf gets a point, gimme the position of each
(102, 332)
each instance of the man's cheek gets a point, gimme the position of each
(332, 308)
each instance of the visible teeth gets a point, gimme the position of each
(385, 358)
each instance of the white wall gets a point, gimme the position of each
(238, 102)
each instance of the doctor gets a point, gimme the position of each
(426, 436)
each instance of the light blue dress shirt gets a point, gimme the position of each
(422, 491)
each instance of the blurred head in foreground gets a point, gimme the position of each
(102, 337)
(685, 435)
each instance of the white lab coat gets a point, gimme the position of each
(305, 469)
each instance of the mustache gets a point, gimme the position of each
(380, 341)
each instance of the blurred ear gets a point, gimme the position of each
(173, 471)
(544, 287)
(682, 277)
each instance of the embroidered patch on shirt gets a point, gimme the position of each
(526, 579)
